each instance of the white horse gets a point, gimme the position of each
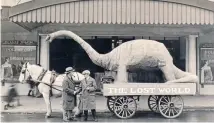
(34, 71)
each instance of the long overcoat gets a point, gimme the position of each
(87, 97)
(68, 96)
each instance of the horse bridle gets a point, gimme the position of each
(24, 72)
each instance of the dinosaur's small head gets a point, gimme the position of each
(49, 38)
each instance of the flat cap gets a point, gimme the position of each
(68, 69)
(86, 72)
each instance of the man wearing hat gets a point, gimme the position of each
(87, 98)
(68, 94)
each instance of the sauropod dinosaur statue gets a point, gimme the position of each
(134, 54)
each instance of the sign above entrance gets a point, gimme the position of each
(19, 42)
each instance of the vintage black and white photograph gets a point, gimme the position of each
(107, 60)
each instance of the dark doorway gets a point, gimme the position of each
(67, 52)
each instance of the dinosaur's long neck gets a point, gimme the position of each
(94, 56)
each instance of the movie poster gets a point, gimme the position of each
(207, 63)
(13, 56)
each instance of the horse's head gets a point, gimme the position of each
(77, 77)
(24, 74)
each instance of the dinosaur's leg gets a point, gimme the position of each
(122, 74)
(168, 72)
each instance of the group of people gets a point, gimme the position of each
(86, 92)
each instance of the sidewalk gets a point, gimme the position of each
(37, 105)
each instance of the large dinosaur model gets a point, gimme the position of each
(134, 54)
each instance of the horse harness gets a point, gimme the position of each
(52, 79)
(42, 74)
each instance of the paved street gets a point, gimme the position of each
(34, 109)
(37, 105)
(190, 116)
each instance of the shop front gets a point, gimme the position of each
(16, 48)
(105, 24)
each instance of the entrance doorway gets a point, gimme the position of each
(67, 52)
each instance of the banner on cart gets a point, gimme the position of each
(12, 59)
(149, 89)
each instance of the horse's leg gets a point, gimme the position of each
(48, 103)
(44, 89)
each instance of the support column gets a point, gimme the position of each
(44, 52)
(192, 54)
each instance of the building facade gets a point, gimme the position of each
(186, 27)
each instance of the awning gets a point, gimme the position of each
(115, 12)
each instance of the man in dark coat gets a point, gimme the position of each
(87, 99)
(68, 95)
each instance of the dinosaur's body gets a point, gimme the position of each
(135, 54)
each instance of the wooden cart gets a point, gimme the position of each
(163, 98)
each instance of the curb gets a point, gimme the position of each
(186, 109)
(198, 109)
(41, 112)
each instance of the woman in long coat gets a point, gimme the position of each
(87, 98)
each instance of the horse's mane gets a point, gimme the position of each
(46, 69)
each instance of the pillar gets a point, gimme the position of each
(192, 61)
(187, 55)
(44, 52)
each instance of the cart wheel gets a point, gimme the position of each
(125, 107)
(110, 103)
(153, 103)
(170, 106)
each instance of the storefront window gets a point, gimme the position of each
(13, 55)
(207, 63)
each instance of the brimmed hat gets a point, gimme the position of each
(86, 72)
(69, 69)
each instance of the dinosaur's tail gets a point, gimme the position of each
(182, 76)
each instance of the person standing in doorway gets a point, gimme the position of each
(68, 95)
(87, 99)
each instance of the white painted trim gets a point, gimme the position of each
(43, 34)
(192, 54)
(187, 54)
(44, 53)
